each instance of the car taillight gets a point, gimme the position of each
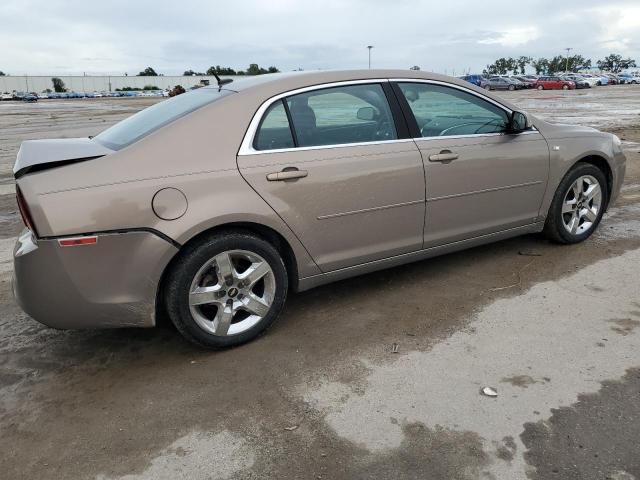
(24, 211)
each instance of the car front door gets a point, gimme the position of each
(479, 179)
(338, 166)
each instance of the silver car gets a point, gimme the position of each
(212, 206)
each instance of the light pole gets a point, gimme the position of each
(566, 66)
(369, 47)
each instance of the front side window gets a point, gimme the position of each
(444, 111)
(341, 115)
(137, 126)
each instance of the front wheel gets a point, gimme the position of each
(512, 87)
(226, 289)
(565, 87)
(540, 87)
(487, 87)
(578, 205)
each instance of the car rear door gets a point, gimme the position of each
(479, 179)
(337, 164)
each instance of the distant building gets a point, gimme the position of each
(109, 83)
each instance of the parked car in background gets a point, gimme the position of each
(592, 80)
(30, 97)
(602, 79)
(553, 82)
(476, 79)
(120, 233)
(526, 82)
(501, 83)
(6, 96)
(579, 80)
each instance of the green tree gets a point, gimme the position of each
(615, 63)
(148, 72)
(189, 73)
(522, 63)
(58, 85)
(218, 70)
(502, 66)
(540, 65)
(254, 69)
(2, 74)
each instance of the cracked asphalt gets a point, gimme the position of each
(554, 329)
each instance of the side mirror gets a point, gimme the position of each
(518, 122)
(366, 113)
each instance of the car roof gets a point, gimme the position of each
(268, 85)
(286, 81)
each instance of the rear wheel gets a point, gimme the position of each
(578, 205)
(565, 87)
(226, 289)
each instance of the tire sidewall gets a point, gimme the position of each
(189, 263)
(555, 211)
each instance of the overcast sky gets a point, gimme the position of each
(76, 36)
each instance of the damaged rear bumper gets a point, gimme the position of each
(110, 283)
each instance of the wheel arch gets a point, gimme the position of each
(260, 230)
(602, 164)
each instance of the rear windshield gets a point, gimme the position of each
(135, 127)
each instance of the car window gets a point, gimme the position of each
(341, 115)
(274, 130)
(442, 111)
(146, 121)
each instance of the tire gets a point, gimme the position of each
(540, 87)
(228, 310)
(565, 87)
(512, 87)
(560, 227)
(487, 87)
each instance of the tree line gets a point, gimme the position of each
(547, 66)
(254, 69)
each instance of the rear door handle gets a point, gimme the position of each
(287, 174)
(444, 156)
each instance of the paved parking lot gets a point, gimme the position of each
(556, 330)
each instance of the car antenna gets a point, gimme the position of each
(222, 81)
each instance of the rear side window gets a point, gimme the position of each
(342, 115)
(274, 131)
(445, 111)
(137, 126)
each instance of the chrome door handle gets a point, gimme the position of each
(287, 174)
(443, 156)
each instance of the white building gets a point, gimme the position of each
(81, 83)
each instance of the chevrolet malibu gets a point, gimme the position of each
(211, 206)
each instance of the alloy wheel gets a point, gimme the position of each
(581, 205)
(232, 292)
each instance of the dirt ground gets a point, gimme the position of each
(556, 330)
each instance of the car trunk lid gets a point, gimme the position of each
(37, 155)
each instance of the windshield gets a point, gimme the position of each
(141, 124)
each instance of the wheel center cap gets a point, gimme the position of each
(233, 291)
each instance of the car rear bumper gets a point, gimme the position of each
(112, 283)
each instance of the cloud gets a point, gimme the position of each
(75, 36)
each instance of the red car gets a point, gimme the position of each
(552, 83)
